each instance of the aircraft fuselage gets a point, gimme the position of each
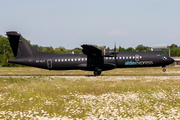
(84, 62)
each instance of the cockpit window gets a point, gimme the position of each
(161, 54)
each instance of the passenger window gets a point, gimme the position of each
(68, 59)
(62, 60)
(82, 59)
(71, 59)
(123, 57)
(55, 60)
(79, 59)
(129, 57)
(126, 57)
(65, 59)
(119, 57)
(59, 60)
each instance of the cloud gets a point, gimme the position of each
(118, 33)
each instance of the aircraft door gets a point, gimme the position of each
(137, 57)
(49, 63)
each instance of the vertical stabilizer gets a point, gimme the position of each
(20, 47)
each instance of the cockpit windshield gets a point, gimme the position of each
(161, 54)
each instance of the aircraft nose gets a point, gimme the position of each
(171, 60)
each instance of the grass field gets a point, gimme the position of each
(88, 97)
(123, 71)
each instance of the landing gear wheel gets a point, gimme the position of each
(97, 72)
(164, 70)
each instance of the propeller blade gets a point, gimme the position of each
(119, 48)
(115, 47)
(115, 54)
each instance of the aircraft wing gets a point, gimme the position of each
(91, 50)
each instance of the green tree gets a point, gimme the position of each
(130, 49)
(4, 45)
(175, 51)
(122, 49)
(35, 46)
(57, 51)
(142, 48)
(50, 49)
(173, 46)
(1, 36)
(63, 50)
(76, 50)
(47, 49)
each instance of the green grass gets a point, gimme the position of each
(120, 71)
(108, 97)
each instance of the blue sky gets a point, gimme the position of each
(71, 23)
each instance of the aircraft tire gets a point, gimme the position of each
(164, 70)
(97, 72)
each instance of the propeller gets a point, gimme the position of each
(115, 53)
(115, 47)
(119, 48)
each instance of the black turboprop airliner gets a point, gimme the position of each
(93, 59)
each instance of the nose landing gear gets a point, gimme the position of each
(164, 70)
(97, 72)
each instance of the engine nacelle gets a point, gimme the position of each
(108, 53)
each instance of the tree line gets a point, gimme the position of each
(6, 52)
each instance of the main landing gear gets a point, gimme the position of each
(164, 70)
(97, 72)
